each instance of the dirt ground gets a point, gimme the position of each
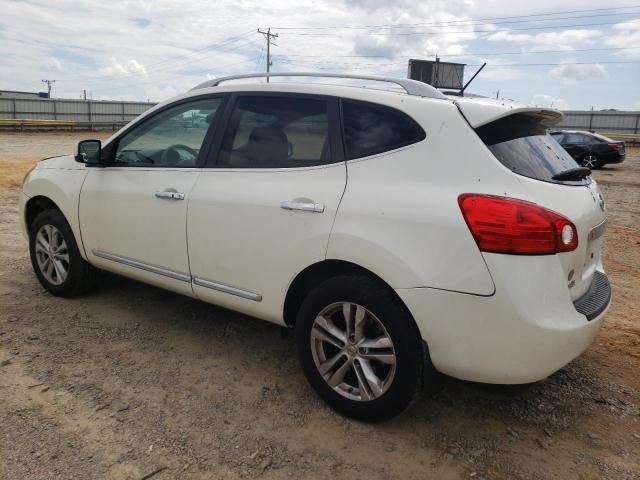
(132, 382)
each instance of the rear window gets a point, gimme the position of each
(521, 143)
(371, 129)
(603, 138)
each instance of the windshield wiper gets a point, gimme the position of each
(577, 173)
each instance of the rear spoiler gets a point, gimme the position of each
(481, 112)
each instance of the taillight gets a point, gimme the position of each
(615, 146)
(507, 225)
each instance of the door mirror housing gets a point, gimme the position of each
(89, 151)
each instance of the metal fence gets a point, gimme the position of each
(604, 121)
(68, 113)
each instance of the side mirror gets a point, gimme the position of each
(89, 151)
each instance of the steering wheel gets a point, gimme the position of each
(169, 153)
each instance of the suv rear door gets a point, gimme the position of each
(263, 208)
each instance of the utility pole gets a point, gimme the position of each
(48, 82)
(268, 35)
(84, 94)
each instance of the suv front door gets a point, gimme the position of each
(133, 211)
(263, 209)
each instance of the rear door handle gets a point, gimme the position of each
(305, 206)
(170, 194)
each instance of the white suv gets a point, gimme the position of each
(400, 234)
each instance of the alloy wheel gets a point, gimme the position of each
(52, 254)
(353, 351)
(590, 160)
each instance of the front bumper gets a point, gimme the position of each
(523, 333)
(24, 198)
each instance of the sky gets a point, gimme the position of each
(570, 54)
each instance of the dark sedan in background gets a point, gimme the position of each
(590, 150)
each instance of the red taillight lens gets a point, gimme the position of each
(507, 225)
(615, 146)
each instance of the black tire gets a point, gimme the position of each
(410, 364)
(80, 276)
(591, 160)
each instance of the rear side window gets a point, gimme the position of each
(370, 129)
(521, 143)
(276, 132)
(577, 138)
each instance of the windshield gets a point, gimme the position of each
(521, 143)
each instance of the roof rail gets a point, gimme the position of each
(412, 87)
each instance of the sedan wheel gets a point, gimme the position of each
(590, 160)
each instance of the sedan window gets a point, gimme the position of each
(172, 138)
(576, 138)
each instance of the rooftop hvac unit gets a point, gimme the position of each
(438, 74)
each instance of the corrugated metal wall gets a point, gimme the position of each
(104, 113)
(89, 112)
(612, 122)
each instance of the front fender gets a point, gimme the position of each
(62, 187)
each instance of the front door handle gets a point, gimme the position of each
(170, 194)
(304, 205)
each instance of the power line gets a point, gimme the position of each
(333, 64)
(496, 30)
(150, 82)
(475, 54)
(454, 22)
(218, 49)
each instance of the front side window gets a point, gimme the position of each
(172, 138)
(371, 129)
(276, 132)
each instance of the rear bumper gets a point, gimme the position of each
(527, 330)
(612, 156)
(617, 159)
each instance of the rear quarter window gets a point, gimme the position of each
(521, 143)
(370, 129)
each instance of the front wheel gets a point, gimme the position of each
(360, 348)
(55, 257)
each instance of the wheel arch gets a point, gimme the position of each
(37, 205)
(319, 272)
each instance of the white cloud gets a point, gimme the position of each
(543, 100)
(626, 35)
(129, 68)
(497, 73)
(507, 36)
(54, 63)
(567, 39)
(136, 49)
(570, 72)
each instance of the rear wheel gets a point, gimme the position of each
(591, 160)
(359, 348)
(55, 257)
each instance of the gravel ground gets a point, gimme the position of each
(132, 382)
